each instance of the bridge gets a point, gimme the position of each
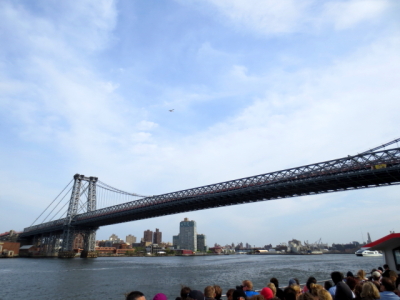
(372, 168)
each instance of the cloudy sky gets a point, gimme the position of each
(256, 86)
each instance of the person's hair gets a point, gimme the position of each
(370, 291)
(238, 294)
(336, 277)
(324, 295)
(274, 281)
(351, 282)
(310, 280)
(218, 292)
(248, 283)
(296, 288)
(393, 275)
(272, 287)
(314, 288)
(209, 291)
(185, 292)
(306, 296)
(358, 290)
(289, 293)
(388, 284)
(297, 281)
(386, 266)
(361, 274)
(134, 295)
(328, 284)
(229, 293)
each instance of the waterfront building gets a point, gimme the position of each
(78, 242)
(115, 239)
(157, 237)
(130, 239)
(148, 236)
(201, 243)
(188, 238)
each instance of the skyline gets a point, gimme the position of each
(255, 87)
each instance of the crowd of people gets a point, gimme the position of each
(383, 284)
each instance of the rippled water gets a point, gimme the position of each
(111, 278)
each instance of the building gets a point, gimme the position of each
(187, 237)
(148, 236)
(201, 243)
(78, 242)
(157, 237)
(115, 239)
(130, 239)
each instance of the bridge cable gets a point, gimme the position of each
(115, 189)
(381, 146)
(57, 205)
(52, 202)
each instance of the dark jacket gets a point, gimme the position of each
(343, 292)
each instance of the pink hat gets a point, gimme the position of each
(160, 296)
(267, 293)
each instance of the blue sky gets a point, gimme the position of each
(256, 86)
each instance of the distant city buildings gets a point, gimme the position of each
(130, 239)
(188, 238)
(148, 236)
(157, 237)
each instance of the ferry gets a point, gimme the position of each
(363, 252)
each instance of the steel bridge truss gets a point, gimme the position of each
(365, 170)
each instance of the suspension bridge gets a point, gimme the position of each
(88, 198)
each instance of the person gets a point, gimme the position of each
(376, 276)
(369, 291)
(289, 293)
(324, 295)
(257, 297)
(160, 296)
(327, 285)
(362, 275)
(387, 290)
(195, 295)
(272, 287)
(279, 292)
(342, 291)
(239, 295)
(311, 280)
(387, 270)
(184, 293)
(392, 276)
(306, 296)
(248, 288)
(209, 293)
(314, 289)
(135, 295)
(267, 293)
(218, 292)
(229, 294)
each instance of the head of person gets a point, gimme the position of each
(135, 295)
(369, 291)
(351, 282)
(336, 277)
(387, 285)
(349, 274)
(160, 296)
(327, 285)
(310, 280)
(297, 289)
(314, 288)
(361, 274)
(292, 281)
(239, 295)
(272, 287)
(267, 293)
(185, 292)
(229, 294)
(209, 292)
(275, 281)
(376, 276)
(324, 295)
(256, 297)
(218, 292)
(290, 293)
(196, 295)
(386, 266)
(247, 285)
(393, 275)
(306, 296)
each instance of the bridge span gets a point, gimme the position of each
(366, 170)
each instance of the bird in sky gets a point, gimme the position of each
(171, 110)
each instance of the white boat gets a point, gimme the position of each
(364, 252)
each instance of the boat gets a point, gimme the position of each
(365, 252)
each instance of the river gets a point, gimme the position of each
(110, 278)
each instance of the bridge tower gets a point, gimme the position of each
(70, 232)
